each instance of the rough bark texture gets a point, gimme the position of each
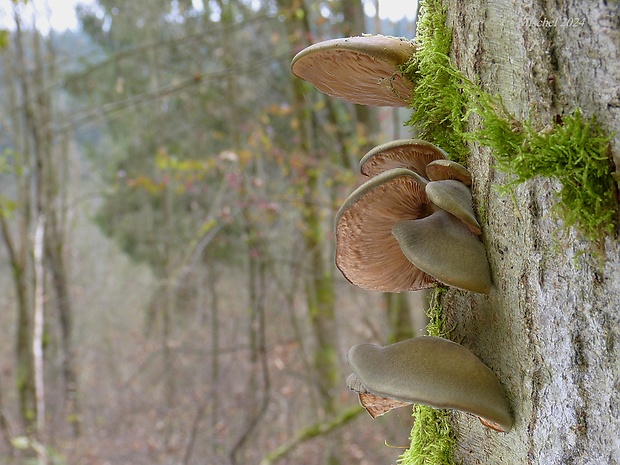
(550, 328)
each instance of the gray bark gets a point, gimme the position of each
(550, 328)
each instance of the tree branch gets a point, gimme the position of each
(311, 432)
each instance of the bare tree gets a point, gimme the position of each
(38, 161)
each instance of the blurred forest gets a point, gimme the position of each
(166, 212)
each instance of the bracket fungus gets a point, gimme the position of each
(454, 197)
(413, 154)
(438, 170)
(442, 246)
(428, 370)
(367, 253)
(390, 237)
(363, 70)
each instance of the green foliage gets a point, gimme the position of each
(25, 443)
(4, 38)
(575, 152)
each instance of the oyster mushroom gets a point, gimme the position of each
(432, 371)
(363, 70)
(413, 154)
(367, 253)
(442, 246)
(438, 170)
(454, 197)
(388, 230)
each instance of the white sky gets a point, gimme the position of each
(62, 11)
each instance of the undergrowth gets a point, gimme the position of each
(574, 151)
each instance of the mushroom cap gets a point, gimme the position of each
(438, 170)
(443, 247)
(413, 154)
(367, 253)
(454, 197)
(363, 70)
(432, 371)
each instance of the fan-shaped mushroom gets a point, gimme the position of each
(431, 371)
(413, 154)
(387, 231)
(367, 253)
(363, 70)
(454, 197)
(442, 246)
(438, 170)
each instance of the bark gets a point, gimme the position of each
(550, 328)
(41, 191)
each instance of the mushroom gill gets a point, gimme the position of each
(363, 70)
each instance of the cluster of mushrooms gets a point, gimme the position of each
(410, 226)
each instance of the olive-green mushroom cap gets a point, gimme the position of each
(443, 247)
(367, 253)
(438, 170)
(454, 197)
(413, 154)
(432, 371)
(363, 70)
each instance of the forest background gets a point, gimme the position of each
(166, 204)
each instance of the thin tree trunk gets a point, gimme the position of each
(399, 317)
(60, 281)
(20, 251)
(168, 310)
(37, 339)
(320, 294)
(260, 382)
(215, 360)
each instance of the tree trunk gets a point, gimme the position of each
(550, 327)
(399, 317)
(37, 338)
(319, 285)
(19, 244)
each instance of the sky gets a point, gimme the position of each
(62, 11)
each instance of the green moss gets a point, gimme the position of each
(436, 320)
(438, 101)
(575, 152)
(432, 438)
